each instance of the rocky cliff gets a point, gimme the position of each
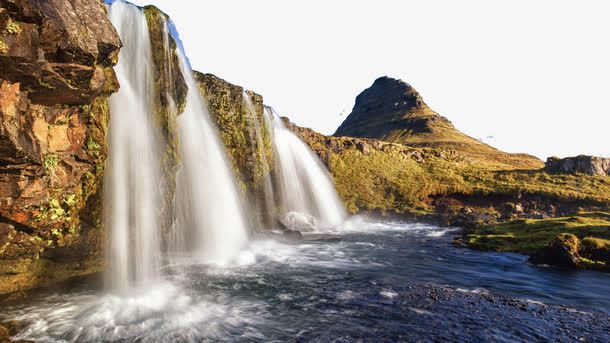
(170, 100)
(239, 127)
(589, 165)
(393, 111)
(56, 74)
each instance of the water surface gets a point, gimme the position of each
(373, 281)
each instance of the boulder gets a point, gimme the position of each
(295, 221)
(562, 251)
(590, 165)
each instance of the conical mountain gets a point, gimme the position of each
(392, 110)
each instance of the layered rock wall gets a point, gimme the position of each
(56, 60)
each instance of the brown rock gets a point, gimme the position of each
(55, 76)
(58, 138)
(60, 49)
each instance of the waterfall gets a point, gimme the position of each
(131, 199)
(264, 201)
(303, 186)
(211, 223)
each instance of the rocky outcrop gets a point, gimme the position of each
(393, 111)
(589, 165)
(170, 100)
(567, 250)
(58, 51)
(239, 129)
(56, 73)
(562, 251)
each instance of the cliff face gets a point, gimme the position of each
(169, 102)
(250, 157)
(393, 111)
(56, 74)
(589, 165)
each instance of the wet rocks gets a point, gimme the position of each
(169, 101)
(589, 165)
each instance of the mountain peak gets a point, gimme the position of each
(383, 108)
(392, 110)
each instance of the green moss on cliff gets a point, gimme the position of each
(169, 101)
(12, 27)
(243, 132)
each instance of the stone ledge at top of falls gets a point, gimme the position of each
(392, 110)
(58, 50)
(56, 60)
(168, 74)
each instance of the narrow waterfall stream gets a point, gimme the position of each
(298, 192)
(304, 187)
(211, 224)
(264, 204)
(132, 169)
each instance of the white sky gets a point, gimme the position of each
(524, 75)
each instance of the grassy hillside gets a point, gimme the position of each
(372, 175)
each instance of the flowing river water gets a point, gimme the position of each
(374, 281)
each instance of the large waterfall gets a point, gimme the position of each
(209, 224)
(132, 176)
(206, 219)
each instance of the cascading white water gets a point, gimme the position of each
(131, 198)
(210, 221)
(303, 184)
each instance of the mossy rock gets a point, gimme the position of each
(561, 251)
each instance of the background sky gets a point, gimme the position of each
(523, 75)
